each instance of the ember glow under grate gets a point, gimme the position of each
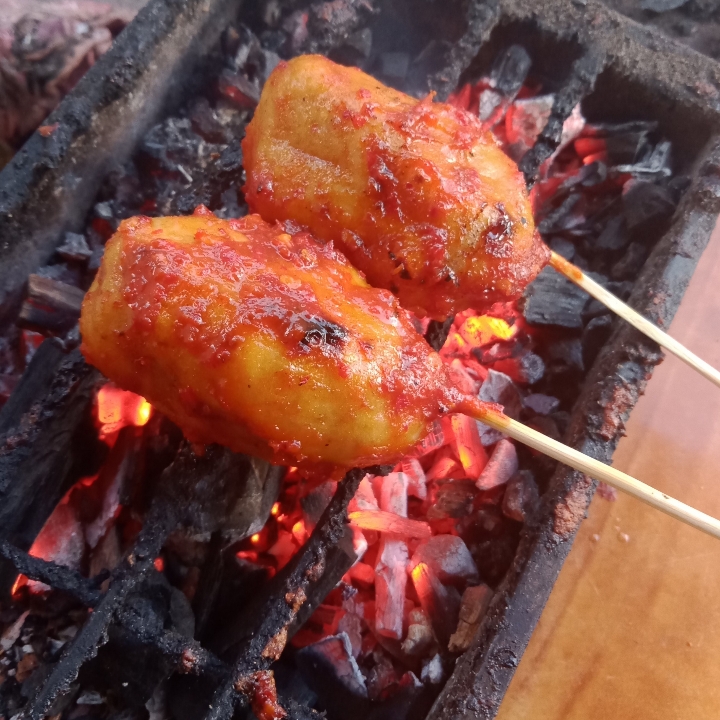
(205, 571)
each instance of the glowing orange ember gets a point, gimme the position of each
(255, 539)
(275, 509)
(482, 329)
(118, 408)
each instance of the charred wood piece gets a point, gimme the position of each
(37, 430)
(163, 516)
(583, 74)
(50, 305)
(50, 573)
(437, 333)
(271, 616)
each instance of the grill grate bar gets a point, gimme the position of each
(162, 518)
(50, 573)
(278, 607)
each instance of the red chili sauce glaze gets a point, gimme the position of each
(415, 193)
(267, 342)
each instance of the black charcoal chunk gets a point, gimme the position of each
(498, 388)
(566, 354)
(74, 247)
(330, 670)
(510, 70)
(646, 203)
(551, 299)
(541, 404)
(654, 165)
(615, 235)
(355, 50)
(562, 217)
(563, 247)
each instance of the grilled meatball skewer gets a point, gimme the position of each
(274, 345)
(416, 194)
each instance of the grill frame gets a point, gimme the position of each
(49, 186)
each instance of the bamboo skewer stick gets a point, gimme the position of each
(597, 291)
(590, 466)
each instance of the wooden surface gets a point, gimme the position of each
(632, 628)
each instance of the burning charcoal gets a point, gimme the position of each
(479, 330)
(595, 335)
(566, 354)
(494, 555)
(364, 497)
(61, 540)
(351, 621)
(336, 652)
(448, 558)
(315, 502)
(525, 120)
(462, 379)
(432, 671)
(420, 640)
(74, 247)
(431, 442)
(359, 542)
(506, 78)
(503, 464)
(510, 70)
(390, 575)
(526, 368)
(389, 523)
(417, 486)
(381, 676)
(390, 582)
(394, 67)
(362, 573)
(468, 446)
(499, 388)
(557, 220)
(440, 603)
(328, 25)
(206, 124)
(646, 204)
(239, 90)
(51, 305)
(563, 247)
(655, 164)
(615, 235)
(552, 299)
(629, 266)
(243, 492)
(444, 467)
(474, 605)
(521, 496)
(541, 404)
(107, 554)
(393, 496)
(451, 499)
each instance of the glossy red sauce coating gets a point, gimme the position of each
(415, 193)
(269, 343)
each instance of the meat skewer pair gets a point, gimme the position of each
(416, 194)
(274, 344)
